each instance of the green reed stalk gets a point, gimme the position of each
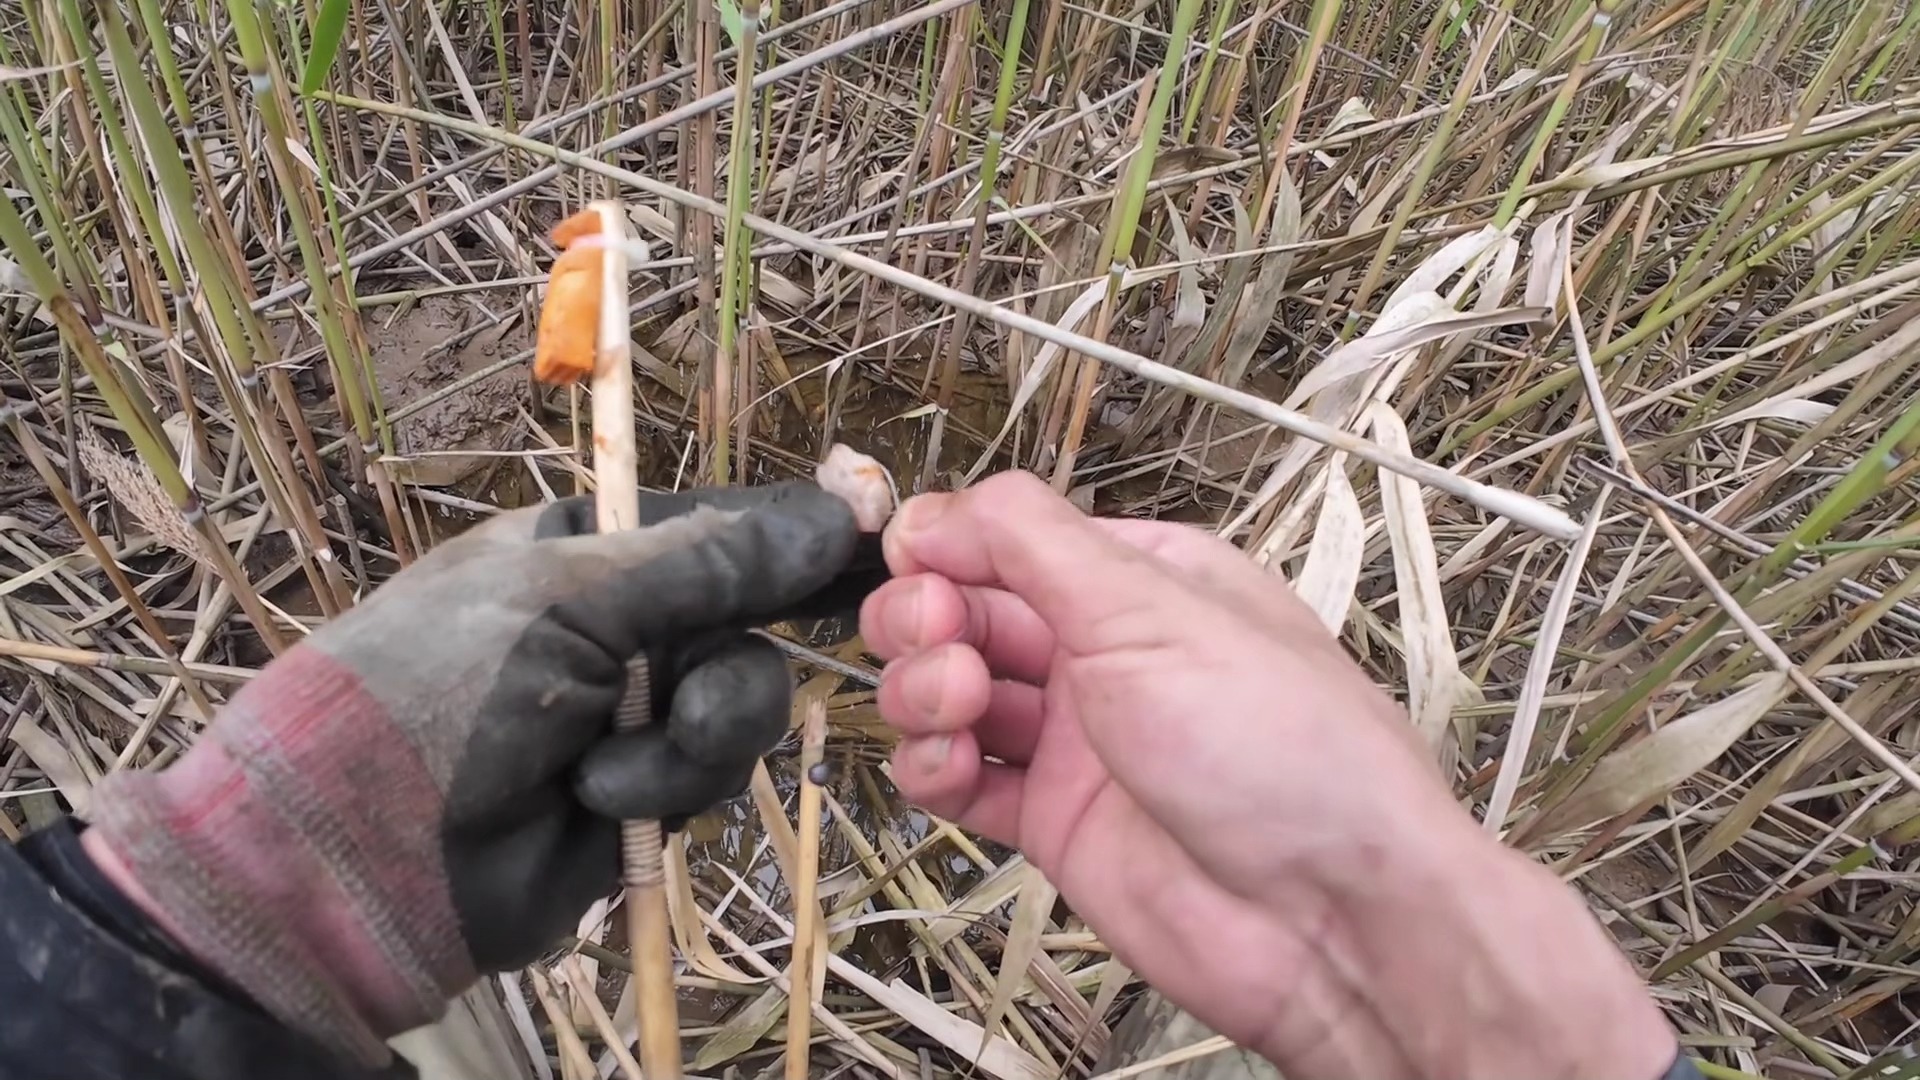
(1117, 239)
(976, 240)
(1197, 93)
(1603, 13)
(735, 265)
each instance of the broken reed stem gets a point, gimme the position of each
(138, 665)
(806, 892)
(574, 972)
(616, 507)
(574, 1058)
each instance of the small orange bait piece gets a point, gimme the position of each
(579, 224)
(564, 344)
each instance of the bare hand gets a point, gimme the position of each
(1171, 736)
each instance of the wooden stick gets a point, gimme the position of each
(617, 506)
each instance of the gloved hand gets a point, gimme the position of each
(427, 788)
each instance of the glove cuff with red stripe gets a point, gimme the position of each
(340, 924)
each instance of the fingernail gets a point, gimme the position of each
(903, 616)
(920, 513)
(926, 683)
(930, 755)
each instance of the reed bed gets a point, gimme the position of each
(1563, 356)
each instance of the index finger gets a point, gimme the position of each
(1012, 531)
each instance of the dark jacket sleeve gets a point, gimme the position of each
(93, 991)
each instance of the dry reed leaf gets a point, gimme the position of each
(1492, 273)
(591, 927)
(1611, 172)
(1412, 316)
(1180, 160)
(1033, 903)
(1352, 113)
(1469, 553)
(1363, 365)
(1332, 569)
(9, 73)
(1258, 301)
(1212, 1044)
(1417, 320)
(1052, 985)
(1549, 249)
(689, 931)
(1791, 410)
(1659, 762)
(1827, 233)
(1189, 302)
(651, 222)
(51, 756)
(742, 1031)
(490, 224)
(1434, 681)
(1337, 402)
(1513, 81)
(994, 890)
(520, 1017)
(994, 1056)
(861, 1047)
(51, 568)
(1232, 285)
(773, 812)
(1540, 665)
(1433, 271)
(1898, 343)
(1113, 977)
(1826, 738)
(872, 186)
(1290, 521)
(1891, 814)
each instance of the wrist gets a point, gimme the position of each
(1484, 964)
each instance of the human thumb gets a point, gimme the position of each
(704, 570)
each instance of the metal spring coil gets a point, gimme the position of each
(641, 846)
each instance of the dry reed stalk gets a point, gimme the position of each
(617, 507)
(575, 1063)
(806, 884)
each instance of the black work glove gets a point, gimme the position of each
(427, 788)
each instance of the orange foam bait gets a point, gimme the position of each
(564, 344)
